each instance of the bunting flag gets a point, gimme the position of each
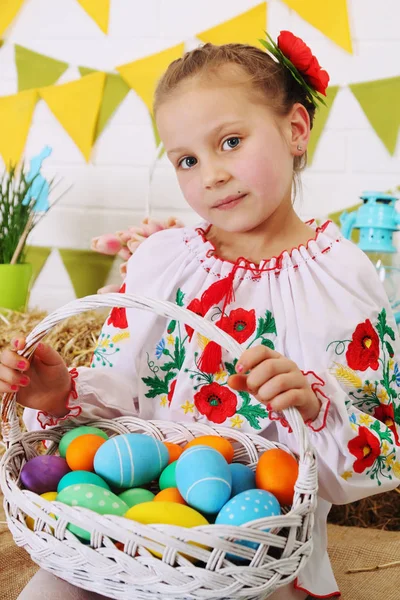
(380, 101)
(246, 28)
(1, 43)
(36, 70)
(37, 256)
(16, 113)
(330, 17)
(8, 11)
(99, 11)
(321, 117)
(142, 75)
(115, 90)
(87, 270)
(76, 105)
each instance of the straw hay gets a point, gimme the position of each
(75, 339)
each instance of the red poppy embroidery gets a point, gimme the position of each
(195, 306)
(171, 392)
(385, 414)
(216, 402)
(366, 448)
(117, 316)
(240, 324)
(363, 350)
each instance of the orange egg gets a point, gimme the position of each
(277, 472)
(169, 495)
(174, 451)
(216, 442)
(81, 452)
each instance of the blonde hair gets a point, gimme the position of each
(278, 86)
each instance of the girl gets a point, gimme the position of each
(307, 306)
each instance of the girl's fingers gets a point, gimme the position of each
(293, 397)
(252, 357)
(267, 370)
(238, 383)
(278, 385)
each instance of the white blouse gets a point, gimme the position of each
(321, 305)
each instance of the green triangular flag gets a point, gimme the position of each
(380, 101)
(36, 70)
(88, 270)
(37, 256)
(115, 90)
(321, 117)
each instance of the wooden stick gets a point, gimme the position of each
(376, 568)
(22, 239)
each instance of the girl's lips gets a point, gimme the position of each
(230, 203)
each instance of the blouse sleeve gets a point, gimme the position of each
(357, 432)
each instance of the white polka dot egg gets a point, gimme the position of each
(95, 498)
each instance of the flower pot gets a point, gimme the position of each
(15, 286)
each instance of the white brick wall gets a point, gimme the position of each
(110, 192)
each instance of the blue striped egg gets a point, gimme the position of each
(130, 460)
(203, 478)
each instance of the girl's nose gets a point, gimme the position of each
(215, 176)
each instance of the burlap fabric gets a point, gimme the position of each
(349, 548)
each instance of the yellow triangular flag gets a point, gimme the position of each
(8, 11)
(142, 75)
(76, 106)
(380, 101)
(15, 120)
(321, 117)
(246, 28)
(99, 10)
(329, 16)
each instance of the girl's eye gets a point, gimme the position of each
(231, 143)
(188, 162)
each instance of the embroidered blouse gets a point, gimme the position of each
(322, 305)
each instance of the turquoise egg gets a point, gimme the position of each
(203, 478)
(136, 496)
(243, 478)
(76, 477)
(71, 435)
(168, 476)
(131, 460)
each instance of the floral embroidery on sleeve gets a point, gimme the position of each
(374, 447)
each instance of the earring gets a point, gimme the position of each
(299, 148)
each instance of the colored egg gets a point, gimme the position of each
(204, 479)
(74, 433)
(174, 451)
(167, 477)
(246, 507)
(277, 472)
(169, 495)
(243, 478)
(76, 477)
(214, 441)
(131, 460)
(81, 452)
(93, 497)
(50, 496)
(42, 473)
(169, 513)
(136, 496)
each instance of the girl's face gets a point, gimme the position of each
(232, 154)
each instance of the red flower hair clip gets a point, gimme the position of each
(296, 56)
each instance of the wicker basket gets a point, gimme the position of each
(187, 570)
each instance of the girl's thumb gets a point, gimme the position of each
(47, 355)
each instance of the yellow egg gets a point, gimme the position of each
(50, 496)
(168, 513)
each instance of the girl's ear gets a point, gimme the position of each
(300, 129)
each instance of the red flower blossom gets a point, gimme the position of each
(216, 402)
(366, 448)
(196, 307)
(303, 59)
(171, 392)
(117, 316)
(363, 350)
(240, 324)
(385, 414)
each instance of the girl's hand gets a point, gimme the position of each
(43, 383)
(275, 381)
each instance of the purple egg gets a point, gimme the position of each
(42, 473)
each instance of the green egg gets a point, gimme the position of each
(167, 477)
(77, 477)
(136, 496)
(71, 435)
(93, 497)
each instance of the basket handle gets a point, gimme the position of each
(10, 423)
